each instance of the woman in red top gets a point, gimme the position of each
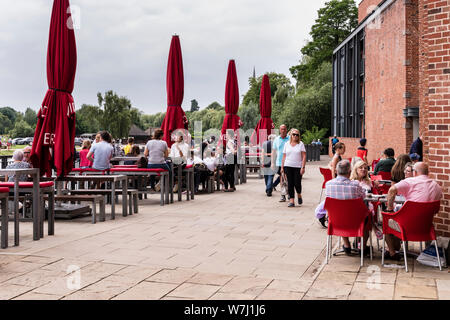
(84, 162)
(362, 151)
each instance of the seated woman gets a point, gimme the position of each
(157, 152)
(340, 150)
(398, 170)
(17, 164)
(135, 152)
(84, 162)
(360, 173)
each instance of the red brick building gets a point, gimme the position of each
(392, 81)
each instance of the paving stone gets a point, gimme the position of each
(415, 288)
(37, 296)
(232, 296)
(194, 291)
(372, 291)
(177, 276)
(147, 291)
(137, 272)
(329, 289)
(246, 285)
(271, 294)
(210, 278)
(344, 277)
(443, 288)
(10, 291)
(293, 286)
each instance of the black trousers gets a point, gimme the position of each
(229, 175)
(294, 179)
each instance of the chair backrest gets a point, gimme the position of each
(327, 176)
(375, 178)
(416, 220)
(385, 175)
(374, 164)
(346, 217)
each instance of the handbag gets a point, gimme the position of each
(283, 183)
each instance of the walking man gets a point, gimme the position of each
(277, 156)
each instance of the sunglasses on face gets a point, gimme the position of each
(296, 135)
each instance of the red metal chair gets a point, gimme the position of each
(374, 164)
(327, 176)
(382, 188)
(385, 175)
(347, 218)
(415, 220)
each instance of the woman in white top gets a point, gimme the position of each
(293, 164)
(157, 151)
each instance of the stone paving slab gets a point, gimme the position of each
(240, 245)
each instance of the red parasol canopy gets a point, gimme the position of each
(175, 117)
(231, 120)
(54, 138)
(265, 109)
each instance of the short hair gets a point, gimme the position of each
(18, 155)
(343, 168)
(271, 137)
(421, 168)
(158, 134)
(339, 145)
(106, 136)
(389, 152)
(130, 140)
(363, 142)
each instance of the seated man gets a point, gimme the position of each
(387, 163)
(343, 188)
(419, 188)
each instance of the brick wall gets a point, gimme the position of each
(388, 78)
(434, 79)
(351, 145)
(366, 7)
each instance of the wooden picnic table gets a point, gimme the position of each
(34, 173)
(113, 179)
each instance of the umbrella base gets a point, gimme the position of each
(69, 211)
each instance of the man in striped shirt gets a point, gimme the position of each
(343, 188)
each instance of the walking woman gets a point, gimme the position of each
(293, 164)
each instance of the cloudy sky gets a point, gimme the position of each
(124, 45)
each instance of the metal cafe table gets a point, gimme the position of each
(113, 179)
(34, 173)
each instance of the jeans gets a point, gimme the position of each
(269, 183)
(158, 166)
(278, 180)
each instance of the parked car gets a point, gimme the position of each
(78, 142)
(28, 141)
(17, 141)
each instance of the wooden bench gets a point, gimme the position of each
(132, 194)
(88, 198)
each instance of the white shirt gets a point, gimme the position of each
(175, 152)
(211, 163)
(293, 155)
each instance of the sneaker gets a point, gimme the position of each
(300, 201)
(291, 205)
(348, 251)
(322, 221)
(269, 194)
(283, 199)
(395, 257)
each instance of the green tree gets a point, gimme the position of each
(87, 119)
(5, 124)
(30, 117)
(194, 106)
(116, 115)
(153, 120)
(21, 130)
(11, 114)
(315, 133)
(334, 23)
(278, 81)
(136, 118)
(249, 115)
(215, 106)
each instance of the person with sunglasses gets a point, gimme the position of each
(293, 164)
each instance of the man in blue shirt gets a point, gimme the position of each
(102, 152)
(277, 155)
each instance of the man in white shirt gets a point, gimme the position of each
(179, 152)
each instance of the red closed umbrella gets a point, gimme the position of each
(231, 120)
(175, 117)
(265, 124)
(54, 138)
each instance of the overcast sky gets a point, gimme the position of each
(124, 46)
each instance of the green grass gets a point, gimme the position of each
(4, 152)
